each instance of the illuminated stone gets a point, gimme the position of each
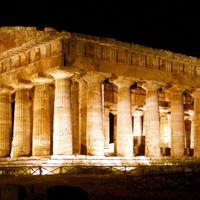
(5, 122)
(152, 123)
(196, 123)
(95, 135)
(62, 128)
(83, 115)
(177, 122)
(137, 130)
(165, 130)
(76, 135)
(124, 138)
(74, 119)
(106, 128)
(21, 145)
(137, 126)
(41, 121)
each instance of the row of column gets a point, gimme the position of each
(36, 139)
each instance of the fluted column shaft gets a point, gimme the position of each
(95, 134)
(164, 130)
(5, 124)
(177, 123)
(41, 121)
(124, 137)
(196, 123)
(62, 131)
(152, 123)
(21, 144)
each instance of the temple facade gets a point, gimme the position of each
(64, 94)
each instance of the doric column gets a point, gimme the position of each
(152, 123)
(62, 125)
(83, 115)
(124, 137)
(21, 144)
(187, 123)
(41, 145)
(95, 135)
(137, 122)
(196, 123)
(177, 122)
(106, 127)
(76, 136)
(165, 133)
(192, 131)
(137, 130)
(5, 122)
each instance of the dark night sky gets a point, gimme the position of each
(171, 25)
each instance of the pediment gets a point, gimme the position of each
(12, 37)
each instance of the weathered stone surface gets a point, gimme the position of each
(108, 77)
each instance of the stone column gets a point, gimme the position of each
(152, 123)
(165, 133)
(137, 130)
(187, 123)
(124, 137)
(76, 137)
(196, 123)
(5, 122)
(137, 122)
(21, 144)
(95, 134)
(41, 118)
(83, 115)
(62, 125)
(192, 131)
(106, 128)
(177, 122)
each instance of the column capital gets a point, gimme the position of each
(6, 90)
(163, 110)
(151, 85)
(122, 81)
(138, 113)
(20, 84)
(95, 77)
(59, 73)
(41, 78)
(196, 93)
(176, 89)
(187, 117)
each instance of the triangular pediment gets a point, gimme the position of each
(13, 37)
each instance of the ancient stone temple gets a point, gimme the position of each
(75, 104)
(76, 99)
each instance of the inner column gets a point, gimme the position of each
(95, 134)
(137, 131)
(165, 131)
(106, 128)
(124, 137)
